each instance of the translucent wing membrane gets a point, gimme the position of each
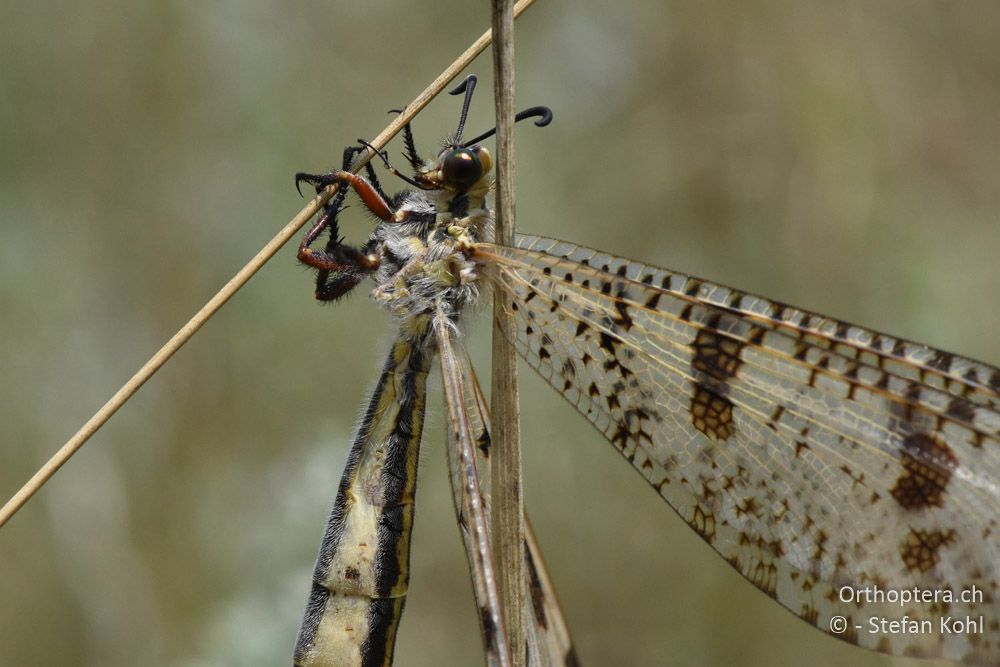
(813, 455)
(468, 497)
(548, 639)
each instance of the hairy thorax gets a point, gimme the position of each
(425, 257)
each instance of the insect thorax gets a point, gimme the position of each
(424, 258)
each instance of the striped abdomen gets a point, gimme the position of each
(362, 571)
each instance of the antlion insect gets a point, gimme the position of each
(811, 454)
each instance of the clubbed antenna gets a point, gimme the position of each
(468, 87)
(544, 115)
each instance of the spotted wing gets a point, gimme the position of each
(548, 640)
(813, 455)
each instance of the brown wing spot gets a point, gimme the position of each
(765, 577)
(962, 410)
(772, 423)
(623, 320)
(747, 507)
(809, 614)
(489, 629)
(712, 414)
(920, 550)
(703, 523)
(883, 379)
(851, 634)
(942, 361)
(483, 443)
(620, 437)
(821, 538)
(927, 466)
(351, 573)
(716, 355)
(535, 589)
(608, 343)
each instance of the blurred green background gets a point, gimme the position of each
(842, 158)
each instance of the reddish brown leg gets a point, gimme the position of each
(338, 256)
(372, 200)
(340, 266)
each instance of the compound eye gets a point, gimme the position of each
(462, 168)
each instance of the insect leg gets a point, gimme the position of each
(340, 266)
(370, 197)
(409, 147)
(349, 154)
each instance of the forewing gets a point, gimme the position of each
(468, 497)
(548, 639)
(813, 455)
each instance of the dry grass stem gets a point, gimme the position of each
(508, 501)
